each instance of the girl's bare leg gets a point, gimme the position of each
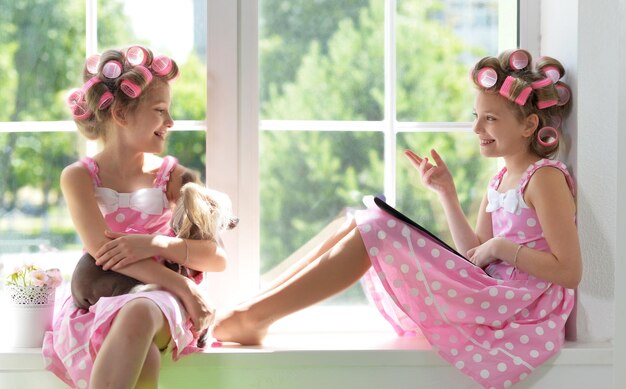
(128, 350)
(335, 270)
(149, 376)
(348, 225)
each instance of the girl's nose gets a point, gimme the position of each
(476, 126)
(169, 122)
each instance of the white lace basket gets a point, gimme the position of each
(30, 295)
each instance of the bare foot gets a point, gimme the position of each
(238, 326)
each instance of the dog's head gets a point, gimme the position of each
(202, 213)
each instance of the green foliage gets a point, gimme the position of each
(288, 27)
(189, 90)
(306, 178)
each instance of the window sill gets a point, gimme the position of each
(359, 353)
(332, 360)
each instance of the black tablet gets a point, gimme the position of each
(380, 202)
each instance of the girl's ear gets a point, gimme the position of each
(119, 115)
(532, 122)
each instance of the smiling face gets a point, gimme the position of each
(500, 132)
(148, 124)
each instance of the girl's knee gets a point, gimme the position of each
(350, 222)
(141, 314)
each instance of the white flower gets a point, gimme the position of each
(31, 275)
(38, 277)
(54, 277)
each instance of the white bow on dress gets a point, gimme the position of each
(509, 200)
(150, 201)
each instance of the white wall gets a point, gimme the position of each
(584, 35)
(619, 376)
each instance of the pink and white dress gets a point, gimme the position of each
(70, 348)
(494, 325)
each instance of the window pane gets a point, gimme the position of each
(188, 147)
(177, 30)
(33, 216)
(41, 55)
(471, 173)
(41, 50)
(307, 179)
(321, 60)
(436, 43)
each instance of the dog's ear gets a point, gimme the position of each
(196, 233)
(232, 223)
(190, 176)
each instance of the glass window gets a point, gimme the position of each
(41, 50)
(345, 88)
(321, 60)
(436, 44)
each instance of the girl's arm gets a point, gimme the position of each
(125, 249)
(547, 192)
(438, 178)
(80, 197)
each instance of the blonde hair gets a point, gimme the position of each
(94, 126)
(543, 101)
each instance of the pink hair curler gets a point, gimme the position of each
(523, 96)
(556, 121)
(162, 65)
(112, 69)
(91, 82)
(75, 97)
(518, 59)
(505, 90)
(547, 103)
(105, 100)
(564, 93)
(541, 83)
(487, 77)
(81, 112)
(544, 82)
(130, 89)
(78, 105)
(552, 72)
(547, 136)
(145, 71)
(506, 86)
(136, 55)
(92, 63)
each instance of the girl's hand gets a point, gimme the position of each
(485, 253)
(124, 249)
(435, 177)
(200, 313)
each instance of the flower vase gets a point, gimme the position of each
(30, 312)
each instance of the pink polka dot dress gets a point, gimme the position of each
(70, 349)
(494, 325)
